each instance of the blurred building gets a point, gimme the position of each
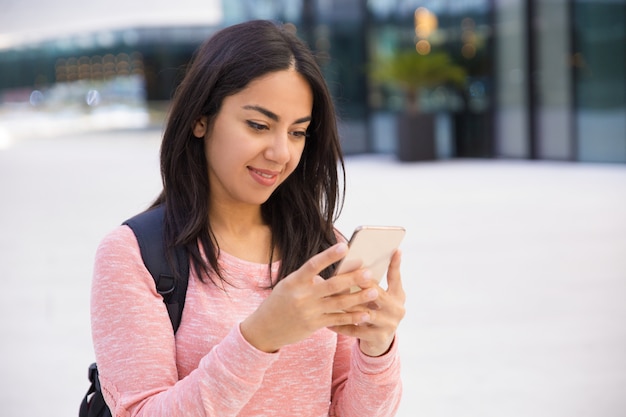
(545, 79)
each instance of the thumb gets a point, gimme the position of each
(394, 281)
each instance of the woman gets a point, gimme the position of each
(249, 161)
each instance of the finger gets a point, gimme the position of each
(350, 302)
(343, 283)
(318, 280)
(394, 280)
(365, 329)
(317, 263)
(347, 319)
(359, 330)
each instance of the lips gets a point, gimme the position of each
(264, 177)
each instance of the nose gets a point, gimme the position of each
(278, 149)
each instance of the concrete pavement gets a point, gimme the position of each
(515, 274)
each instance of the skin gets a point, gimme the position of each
(254, 144)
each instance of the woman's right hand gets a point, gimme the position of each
(303, 302)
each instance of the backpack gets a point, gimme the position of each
(148, 228)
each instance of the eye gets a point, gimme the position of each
(256, 126)
(300, 134)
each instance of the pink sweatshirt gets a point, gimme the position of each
(209, 369)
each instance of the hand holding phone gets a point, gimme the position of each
(371, 247)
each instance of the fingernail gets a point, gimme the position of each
(365, 318)
(371, 294)
(367, 274)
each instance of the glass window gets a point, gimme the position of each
(600, 83)
(553, 80)
(511, 127)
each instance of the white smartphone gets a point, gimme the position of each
(371, 247)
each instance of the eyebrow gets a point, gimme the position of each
(273, 115)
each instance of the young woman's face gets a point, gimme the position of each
(257, 138)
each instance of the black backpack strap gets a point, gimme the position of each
(148, 228)
(93, 405)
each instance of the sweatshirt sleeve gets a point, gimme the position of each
(135, 347)
(363, 385)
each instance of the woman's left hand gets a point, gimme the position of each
(386, 312)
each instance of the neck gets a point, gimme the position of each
(241, 232)
(235, 220)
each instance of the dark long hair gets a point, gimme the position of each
(301, 212)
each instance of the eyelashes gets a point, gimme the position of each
(256, 126)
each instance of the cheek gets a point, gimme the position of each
(220, 146)
(219, 160)
(222, 162)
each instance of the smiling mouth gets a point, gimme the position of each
(266, 178)
(263, 174)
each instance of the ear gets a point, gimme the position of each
(200, 127)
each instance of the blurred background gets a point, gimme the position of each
(524, 79)
(493, 130)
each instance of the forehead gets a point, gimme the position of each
(284, 92)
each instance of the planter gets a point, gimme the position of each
(416, 137)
